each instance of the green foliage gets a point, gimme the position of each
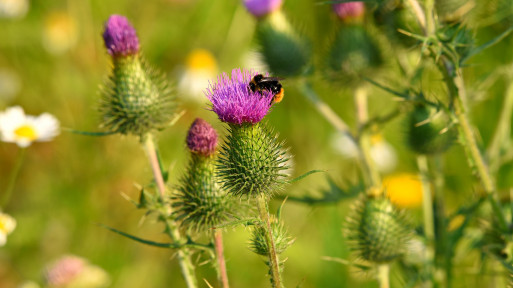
(251, 161)
(136, 99)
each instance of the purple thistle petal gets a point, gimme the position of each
(349, 10)
(120, 37)
(202, 138)
(234, 102)
(261, 8)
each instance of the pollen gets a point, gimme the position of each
(26, 132)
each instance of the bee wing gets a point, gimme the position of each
(270, 79)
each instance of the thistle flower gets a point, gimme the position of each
(7, 225)
(260, 8)
(136, 99)
(251, 160)
(16, 127)
(376, 230)
(234, 102)
(199, 203)
(120, 37)
(350, 11)
(404, 190)
(73, 271)
(202, 138)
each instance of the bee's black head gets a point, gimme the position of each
(258, 77)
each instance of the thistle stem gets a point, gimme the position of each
(221, 263)
(12, 178)
(171, 228)
(384, 275)
(360, 99)
(429, 219)
(263, 210)
(456, 87)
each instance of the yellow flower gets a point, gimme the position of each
(404, 190)
(200, 68)
(60, 32)
(7, 225)
(16, 127)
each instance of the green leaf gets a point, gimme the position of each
(305, 175)
(333, 195)
(143, 241)
(488, 44)
(87, 133)
(245, 222)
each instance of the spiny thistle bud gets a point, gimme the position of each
(260, 8)
(353, 53)
(377, 230)
(258, 242)
(252, 159)
(284, 51)
(136, 99)
(350, 11)
(202, 138)
(199, 203)
(428, 131)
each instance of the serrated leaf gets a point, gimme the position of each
(88, 133)
(140, 240)
(332, 195)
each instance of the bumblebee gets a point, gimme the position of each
(272, 84)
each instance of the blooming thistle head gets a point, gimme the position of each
(350, 11)
(120, 37)
(260, 8)
(202, 138)
(136, 98)
(234, 102)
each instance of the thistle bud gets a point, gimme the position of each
(284, 51)
(202, 138)
(258, 242)
(376, 230)
(353, 53)
(252, 159)
(261, 8)
(198, 201)
(136, 99)
(350, 12)
(428, 130)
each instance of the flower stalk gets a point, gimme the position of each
(429, 219)
(221, 263)
(171, 228)
(12, 178)
(384, 275)
(274, 264)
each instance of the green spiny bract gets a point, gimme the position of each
(353, 53)
(428, 131)
(251, 161)
(258, 242)
(136, 99)
(285, 52)
(377, 231)
(198, 202)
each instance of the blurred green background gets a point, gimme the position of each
(55, 61)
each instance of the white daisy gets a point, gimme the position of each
(200, 68)
(381, 151)
(16, 127)
(7, 225)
